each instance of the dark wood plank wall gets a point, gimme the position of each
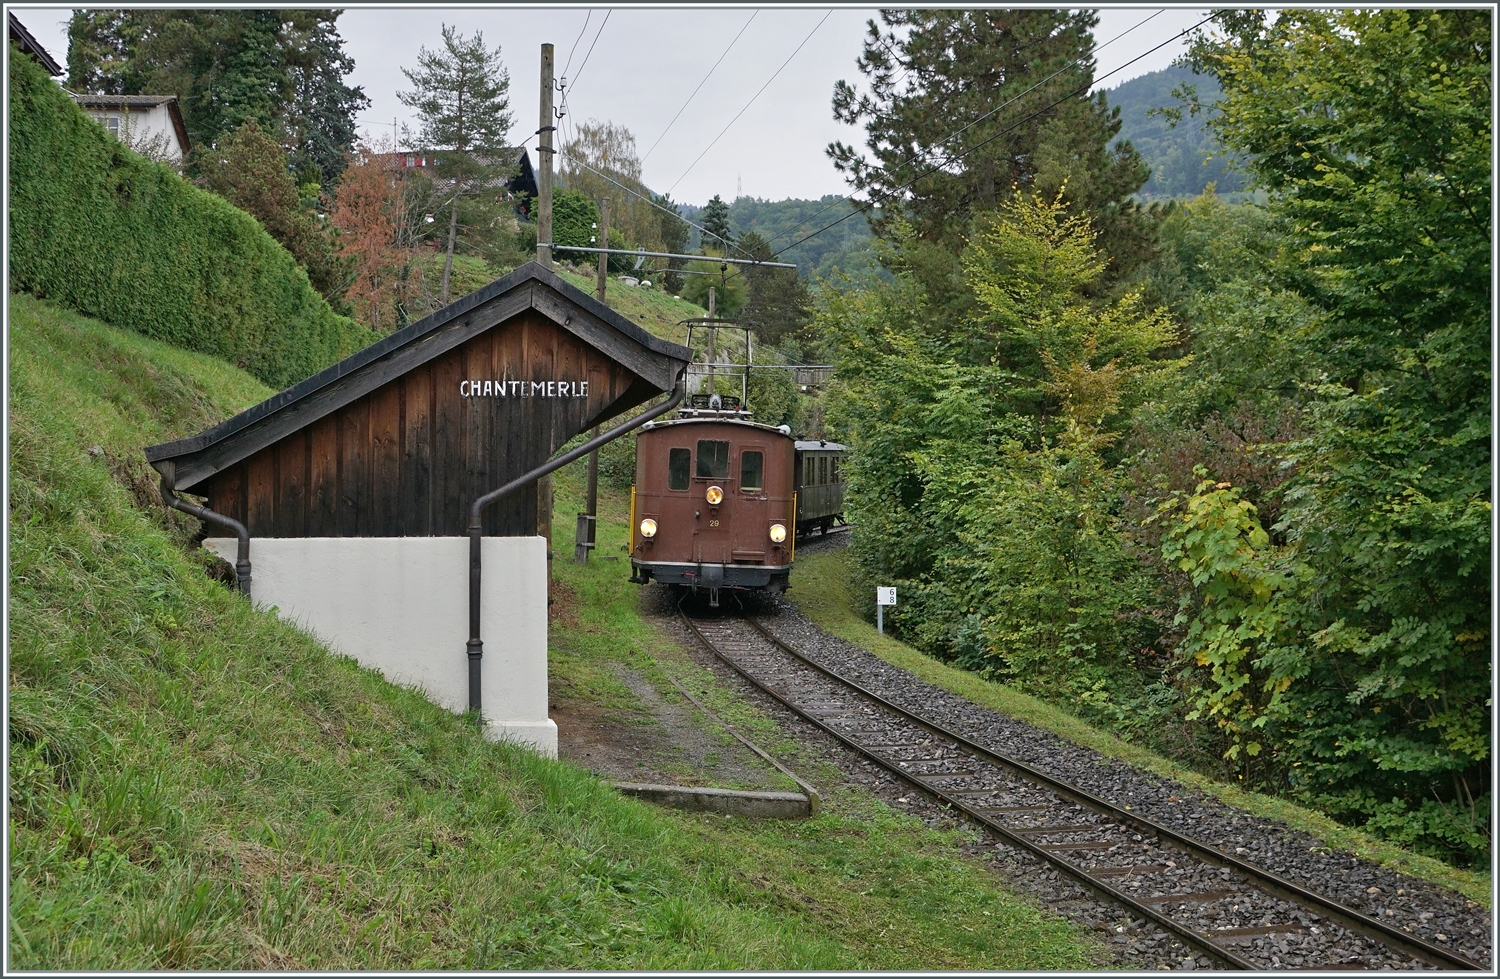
(408, 459)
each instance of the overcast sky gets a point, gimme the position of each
(646, 62)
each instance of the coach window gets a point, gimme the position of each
(713, 459)
(822, 470)
(833, 470)
(752, 464)
(678, 467)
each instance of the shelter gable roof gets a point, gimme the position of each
(30, 45)
(190, 460)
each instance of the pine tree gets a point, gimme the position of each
(780, 304)
(321, 119)
(462, 98)
(716, 222)
(933, 72)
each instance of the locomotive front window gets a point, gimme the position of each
(752, 464)
(679, 465)
(713, 459)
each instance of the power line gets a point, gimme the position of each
(751, 102)
(591, 48)
(664, 132)
(989, 139)
(665, 210)
(575, 43)
(1009, 102)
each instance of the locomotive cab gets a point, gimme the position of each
(713, 505)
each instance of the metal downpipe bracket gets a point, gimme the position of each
(242, 557)
(475, 645)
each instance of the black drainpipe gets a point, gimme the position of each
(242, 561)
(476, 645)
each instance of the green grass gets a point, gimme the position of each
(653, 309)
(195, 784)
(821, 593)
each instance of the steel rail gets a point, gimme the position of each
(1192, 938)
(1350, 918)
(1347, 916)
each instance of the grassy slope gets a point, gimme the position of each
(195, 784)
(657, 311)
(821, 594)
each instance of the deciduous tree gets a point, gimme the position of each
(248, 169)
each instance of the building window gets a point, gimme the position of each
(112, 123)
(678, 467)
(411, 161)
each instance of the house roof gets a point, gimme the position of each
(31, 46)
(524, 180)
(188, 461)
(127, 102)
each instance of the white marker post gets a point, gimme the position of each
(884, 595)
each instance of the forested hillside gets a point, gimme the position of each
(1217, 477)
(845, 247)
(1182, 150)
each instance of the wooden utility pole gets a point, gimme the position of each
(544, 155)
(588, 523)
(544, 255)
(713, 334)
(603, 243)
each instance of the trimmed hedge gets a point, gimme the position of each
(111, 234)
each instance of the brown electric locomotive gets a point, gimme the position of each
(713, 504)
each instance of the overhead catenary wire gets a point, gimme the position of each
(989, 139)
(757, 95)
(849, 198)
(665, 210)
(590, 53)
(690, 98)
(581, 31)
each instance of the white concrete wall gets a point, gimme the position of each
(401, 605)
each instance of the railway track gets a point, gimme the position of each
(1210, 901)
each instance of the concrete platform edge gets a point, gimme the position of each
(733, 802)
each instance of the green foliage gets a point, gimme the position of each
(462, 99)
(731, 291)
(996, 70)
(1382, 196)
(575, 219)
(1184, 156)
(98, 228)
(1242, 652)
(977, 479)
(248, 169)
(780, 304)
(716, 222)
(282, 69)
(846, 247)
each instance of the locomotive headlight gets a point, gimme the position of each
(648, 527)
(714, 496)
(778, 533)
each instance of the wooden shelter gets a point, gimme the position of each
(400, 438)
